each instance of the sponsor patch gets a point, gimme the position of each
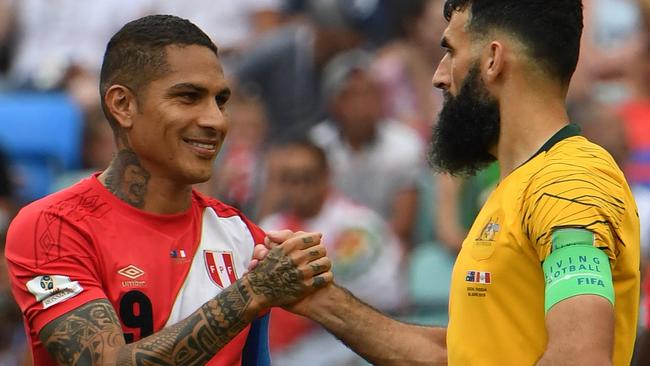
(53, 289)
(220, 266)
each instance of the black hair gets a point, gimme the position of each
(306, 144)
(550, 29)
(135, 55)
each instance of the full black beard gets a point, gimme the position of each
(468, 126)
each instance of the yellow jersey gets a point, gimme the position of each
(496, 305)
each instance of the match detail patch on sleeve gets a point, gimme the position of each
(53, 289)
(576, 267)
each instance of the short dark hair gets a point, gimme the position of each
(135, 55)
(550, 29)
(307, 145)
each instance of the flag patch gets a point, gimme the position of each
(478, 277)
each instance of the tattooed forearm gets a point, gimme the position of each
(82, 336)
(127, 179)
(91, 334)
(195, 340)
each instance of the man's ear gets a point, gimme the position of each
(494, 63)
(122, 105)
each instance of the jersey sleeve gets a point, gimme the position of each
(257, 233)
(51, 266)
(586, 194)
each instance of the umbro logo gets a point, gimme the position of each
(131, 272)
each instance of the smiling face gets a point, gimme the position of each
(180, 122)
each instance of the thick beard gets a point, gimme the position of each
(467, 128)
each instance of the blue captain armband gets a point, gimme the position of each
(576, 267)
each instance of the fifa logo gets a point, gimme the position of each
(47, 283)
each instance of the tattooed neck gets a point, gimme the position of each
(127, 179)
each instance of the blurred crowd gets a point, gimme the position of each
(330, 125)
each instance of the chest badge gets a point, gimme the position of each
(483, 247)
(220, 267)
(489, 231)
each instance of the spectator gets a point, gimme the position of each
(7, 15)
(285, 66)
(13, 345)
(610, 39)
(61, 43)
(404, 67)
(7, 204)
(366, 255)
(97, 151)
(232, 25)
(636, 116)
(635, 113)
(375, 160)
(644, 6)
(601, 124)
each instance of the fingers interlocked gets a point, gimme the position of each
(292, 269)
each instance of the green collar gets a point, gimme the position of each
(567, 131)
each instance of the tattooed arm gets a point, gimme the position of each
(91, 334)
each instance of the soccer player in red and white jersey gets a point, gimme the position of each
(132, 266)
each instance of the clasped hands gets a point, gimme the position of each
(288, 267)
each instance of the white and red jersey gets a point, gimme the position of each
(83, 244)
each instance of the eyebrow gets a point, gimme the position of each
(183, 87)
(189, 87)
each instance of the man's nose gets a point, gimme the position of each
(442, 76)
(213, 117)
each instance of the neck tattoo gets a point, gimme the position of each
(127, 179)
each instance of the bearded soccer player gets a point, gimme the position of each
(131, 266)
(549, 272)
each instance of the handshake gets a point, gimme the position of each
(286, 268)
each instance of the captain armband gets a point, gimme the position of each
(576, 267)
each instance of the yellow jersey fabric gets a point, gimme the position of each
(496, 306)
